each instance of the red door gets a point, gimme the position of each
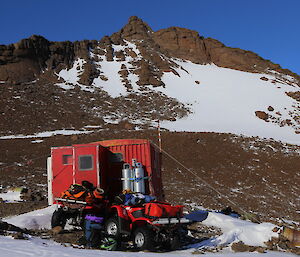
(86, 164)
(62, 169)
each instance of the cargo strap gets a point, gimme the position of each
(135, 179)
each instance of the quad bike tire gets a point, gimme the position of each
(143, 239)
(174, 243)
(58, 218)
(112, 227)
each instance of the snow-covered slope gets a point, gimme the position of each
(225, 100)
(219, 99)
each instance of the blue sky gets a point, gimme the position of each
(270, 28)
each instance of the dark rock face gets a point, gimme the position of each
(183, 43)
(89, 74)
(21, 61)
(236, 58)
(28, 59)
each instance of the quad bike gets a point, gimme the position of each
(146, 232)
(129, 223)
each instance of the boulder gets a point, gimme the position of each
(264, 78)
(262, 115)
(240, 247)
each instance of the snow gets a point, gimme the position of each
(11, 196)
(233, 230)
(65, 132)
(64, 86)
(37, 141)
(92, 126)
(113, 85)
(226, 100)
(108, 69)
(72, 76)
(10, 247)
(39, 219)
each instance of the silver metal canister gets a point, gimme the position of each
(139, 182)
(127, 182)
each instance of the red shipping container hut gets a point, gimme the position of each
(102, 163)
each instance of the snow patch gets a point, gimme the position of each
(92, 126)
(72, 76)
(110, 69)
(65, 132)
(39, 219)
(235, 230)
(37, 141)
(11, 196)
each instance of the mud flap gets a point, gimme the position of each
(124, 226)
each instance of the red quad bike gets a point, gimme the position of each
(152, 226)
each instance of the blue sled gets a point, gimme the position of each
(197, 216)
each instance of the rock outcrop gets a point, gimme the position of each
(26, 60)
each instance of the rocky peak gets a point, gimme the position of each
(35, 41)
(135, 29)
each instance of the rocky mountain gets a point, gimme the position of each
(127, 79)
(119, 86)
